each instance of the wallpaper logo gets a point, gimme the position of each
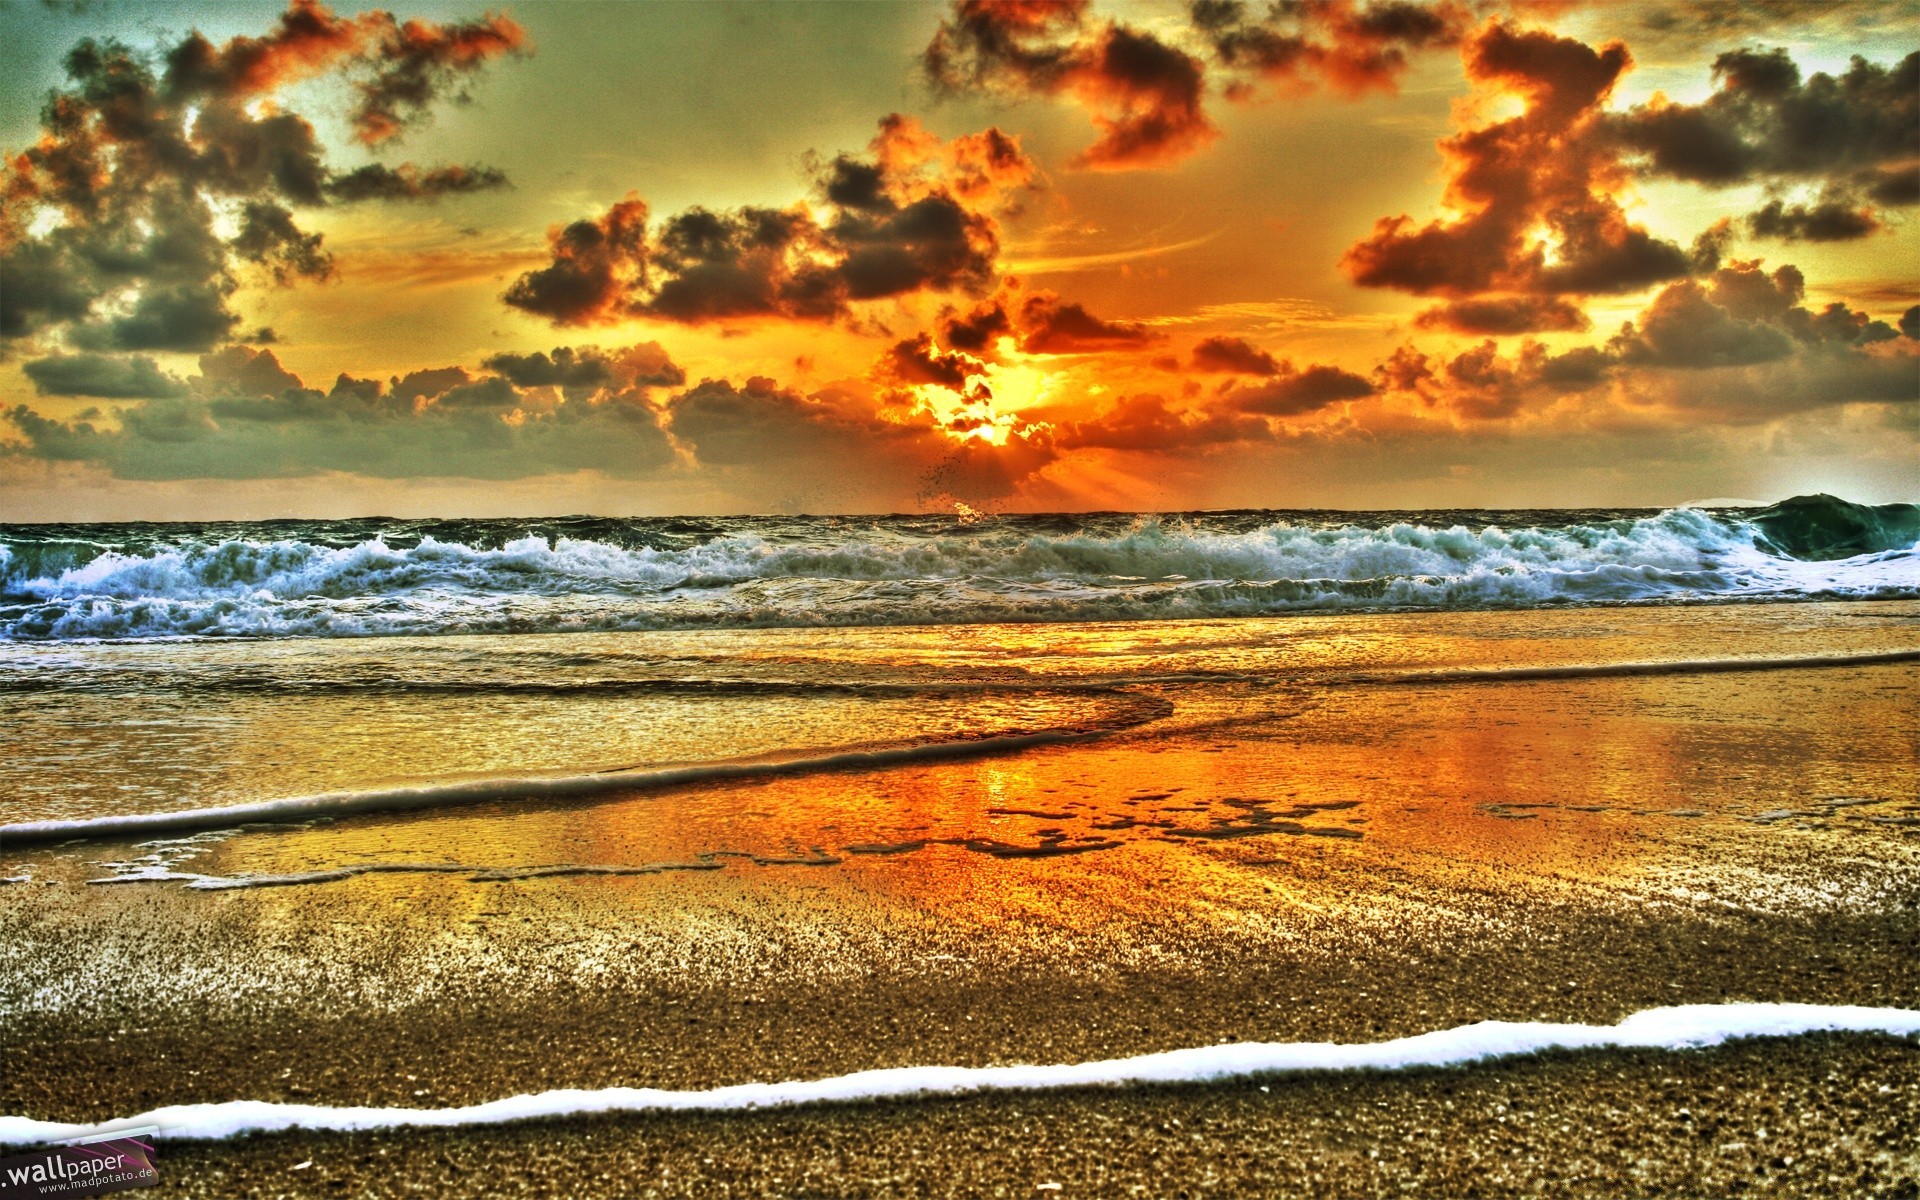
(84, 1167)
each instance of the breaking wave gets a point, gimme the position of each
(359, 578)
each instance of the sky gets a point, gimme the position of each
(1013, 255)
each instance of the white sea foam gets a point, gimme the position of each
(1675, 1028)
(876, 575)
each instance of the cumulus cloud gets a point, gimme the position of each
(1830, 219)
(1855, 135)
(108, 223)
(1049, 325)
(375, 181)
(1505, 314)
(979, 328)
(1736, 344)
(1292, 393)
(1146, 90)
(1146, 96)
(1351, 47)
(915, 215)
(1147, 424)
(1233, 356)
(401, 68)
(1481, 384)
(416, 63)
(135, 378)
(588, 368)
(1740, 317)
(247, 417)
(918, 360)
(1534, 193)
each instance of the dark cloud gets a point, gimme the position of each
(269, 238)
(917, 360)
(1829, 220)
(1741, 316)
(1146, 97)
(1764, 122)
(1506, 315)
(407, 182)
(915, 216)
(1050, 326)
(1544, 169)
(977, 329)
(1481, 384)
(764, 423)
(136, 378)
(1683, 327)
(1856, 135)
(1294, 393)
(1233, 356)
(137, 154)
(247, 417)
(239, 371)
(1737, 345)
(1145, 423)
(595, 265)
(401, 69)
(588, 368)
(1351, 47)
(427, 383)
(417, 63)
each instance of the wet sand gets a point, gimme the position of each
(1298, 857)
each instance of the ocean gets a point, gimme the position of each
(368, 577)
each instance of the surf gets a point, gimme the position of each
(377, 577)
(1672, 1028)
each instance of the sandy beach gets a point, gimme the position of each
(960, 598)
(1321, 829)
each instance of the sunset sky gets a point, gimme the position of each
(652, 258)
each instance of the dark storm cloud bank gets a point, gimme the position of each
(915, 215)
(244, 416)
(157, 180)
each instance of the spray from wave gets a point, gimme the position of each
(360, 578)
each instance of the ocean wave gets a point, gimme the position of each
(1678, 1027)
(112, 584)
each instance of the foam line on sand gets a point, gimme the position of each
(1672, 1028)
(600, 783)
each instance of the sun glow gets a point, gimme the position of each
(989, 410)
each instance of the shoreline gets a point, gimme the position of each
(1282, 864)
(1671, 1028)
(1820, 1115)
